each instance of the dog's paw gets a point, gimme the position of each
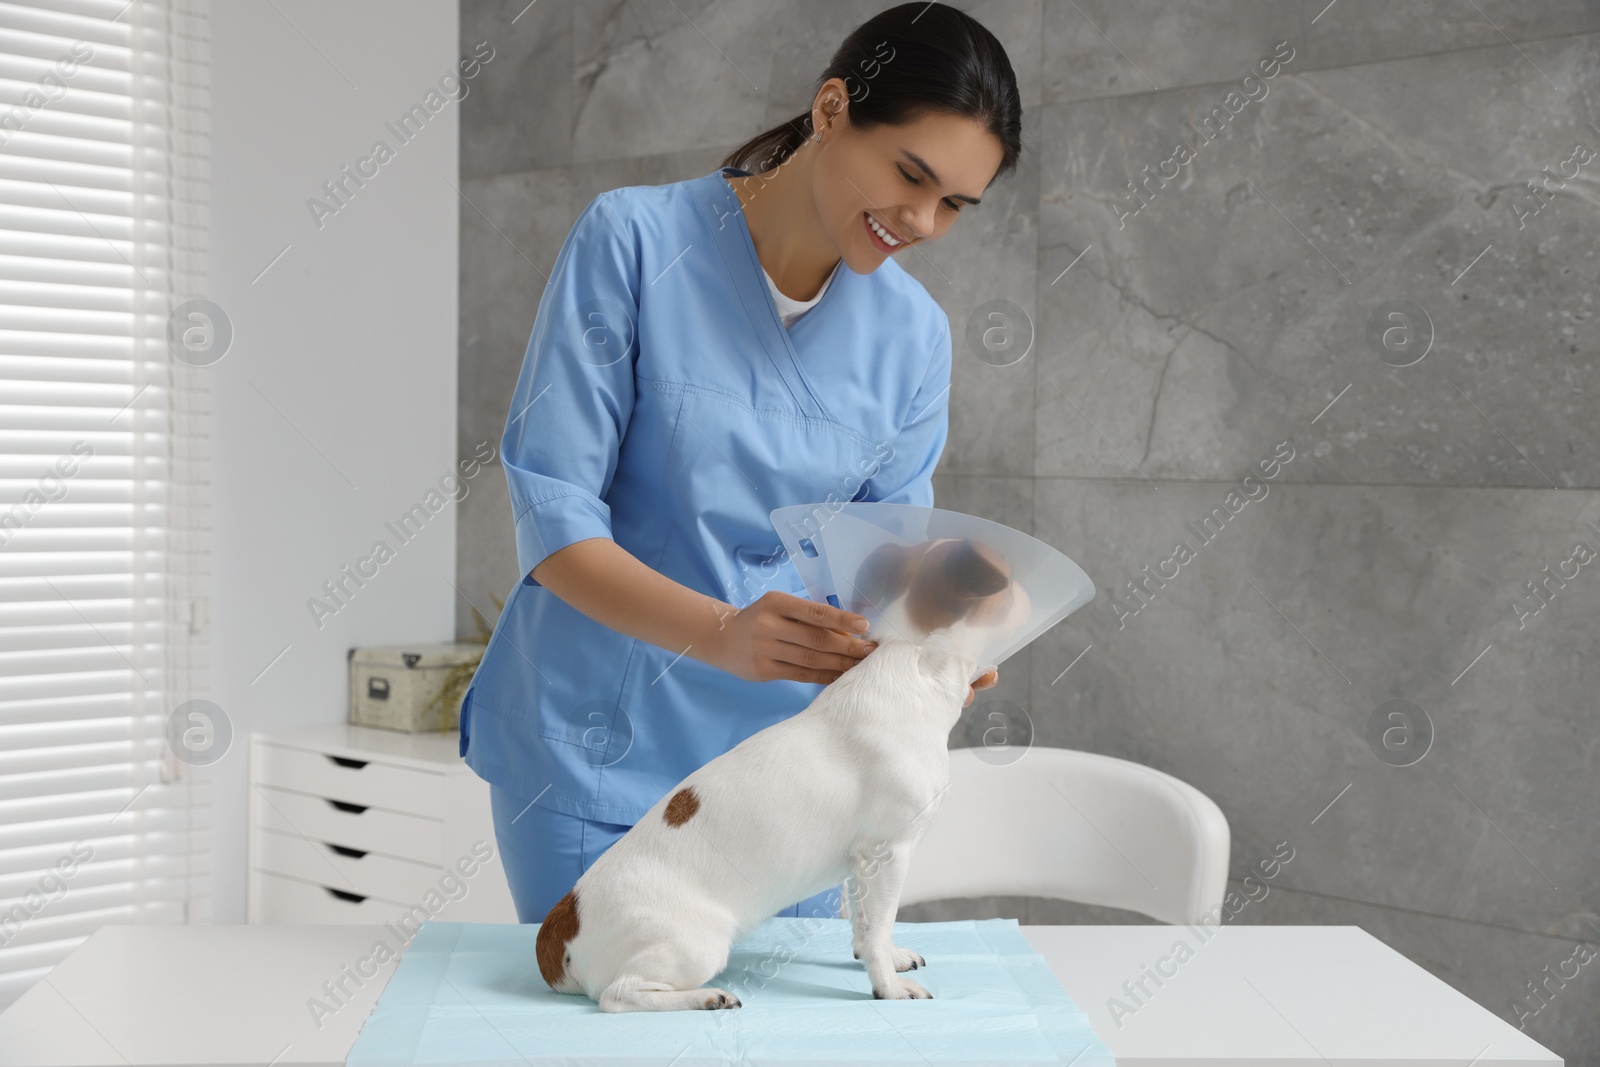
(901, 989)
(904, 958)
(717, 998)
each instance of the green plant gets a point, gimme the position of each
(459, 676)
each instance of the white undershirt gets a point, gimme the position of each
(790, 310)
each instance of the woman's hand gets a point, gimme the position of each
(785, 636)
(985, 681)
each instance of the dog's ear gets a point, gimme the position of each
(998, 599)
(884, 575)
(957, 580)
(970, 571)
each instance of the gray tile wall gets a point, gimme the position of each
(1171, 350)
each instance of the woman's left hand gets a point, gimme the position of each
(986, 681)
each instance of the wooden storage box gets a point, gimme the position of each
(392, 687)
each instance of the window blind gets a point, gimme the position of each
(103, 521)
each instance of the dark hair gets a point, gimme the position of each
(901, 63)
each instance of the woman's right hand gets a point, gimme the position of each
(785, 636)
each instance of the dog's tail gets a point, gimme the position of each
(555, 934)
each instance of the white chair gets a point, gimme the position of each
(1074, 826)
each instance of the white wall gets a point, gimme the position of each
(335, 409)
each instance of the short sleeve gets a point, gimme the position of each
(906, 476)
(575, 392)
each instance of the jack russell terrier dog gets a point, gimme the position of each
(841, 791)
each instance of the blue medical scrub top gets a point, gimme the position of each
(663, 404)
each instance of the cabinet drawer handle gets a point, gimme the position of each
(353, 853)
(346, 761)
(345, 805)
(353, 898)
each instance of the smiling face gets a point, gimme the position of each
(912, 179)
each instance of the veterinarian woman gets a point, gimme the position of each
(703, 352)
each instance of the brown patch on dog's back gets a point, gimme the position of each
(682, 806)
(558, 928)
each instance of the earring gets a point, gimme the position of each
(831, 111)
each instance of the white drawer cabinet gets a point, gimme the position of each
(355, 824)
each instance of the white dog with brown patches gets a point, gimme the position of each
(840, 792)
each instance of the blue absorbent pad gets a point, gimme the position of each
(471, 993)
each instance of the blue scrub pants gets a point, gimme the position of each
(544, 851)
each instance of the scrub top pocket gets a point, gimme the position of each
(744, 462)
